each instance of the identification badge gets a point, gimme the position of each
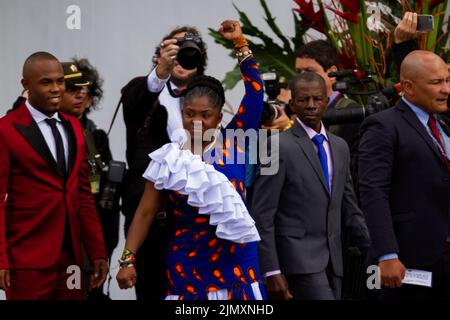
(95, 183)
(418, 277)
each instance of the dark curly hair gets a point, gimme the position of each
(188, 29)
(90, 74)
(206, 86)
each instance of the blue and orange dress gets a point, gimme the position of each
(201, 264)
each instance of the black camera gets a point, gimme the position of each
(190, 55)
(351, 82)
(375, 102)
(272, 87)
(110, 197)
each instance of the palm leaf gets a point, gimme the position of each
(300, 30)
(270, 55)
(271, 22)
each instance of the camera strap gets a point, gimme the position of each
(93, 155)
(114, 116)
(95, 161)
(175, 93)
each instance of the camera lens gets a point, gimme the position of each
(189, 56)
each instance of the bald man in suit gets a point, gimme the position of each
(405, 182)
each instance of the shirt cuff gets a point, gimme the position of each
(155, 84)
(389, 256)
(272, 273)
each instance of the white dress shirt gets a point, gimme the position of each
(46, 131)
(326, 145)
(175, 128)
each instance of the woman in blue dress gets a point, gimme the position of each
(213, 251)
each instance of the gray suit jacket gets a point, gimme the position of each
(298, 220)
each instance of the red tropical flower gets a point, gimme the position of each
(310, 18)
(347, 15)
(347, 61)
(350, 5)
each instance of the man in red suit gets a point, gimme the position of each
(47, 213)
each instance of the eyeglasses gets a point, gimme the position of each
(76, 90)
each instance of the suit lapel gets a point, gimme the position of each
(29, 129)
(307, 147)
(34, 136)
(414, 122)
(335, 158)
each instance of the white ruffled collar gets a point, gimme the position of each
(177, 169)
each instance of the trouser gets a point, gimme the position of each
(324, 285)
(58, 282)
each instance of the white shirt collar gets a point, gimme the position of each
(311, 132)
(39, 116)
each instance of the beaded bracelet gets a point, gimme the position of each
(128, 259)
(242, 55)
(240, 42)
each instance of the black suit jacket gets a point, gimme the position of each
(146, 123)
(146, 129)
(404, 187)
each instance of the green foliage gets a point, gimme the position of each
(358, 47)
(269, 54)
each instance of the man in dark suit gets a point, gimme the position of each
(46, 206)
(300, 209)
(321, 57)
(404, 181)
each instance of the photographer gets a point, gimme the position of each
(148, 127)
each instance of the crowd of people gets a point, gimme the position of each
(201, 221)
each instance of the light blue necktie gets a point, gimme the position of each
(318, 141)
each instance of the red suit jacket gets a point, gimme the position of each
(34, 196)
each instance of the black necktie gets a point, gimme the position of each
(61, 163)
(60, 158)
